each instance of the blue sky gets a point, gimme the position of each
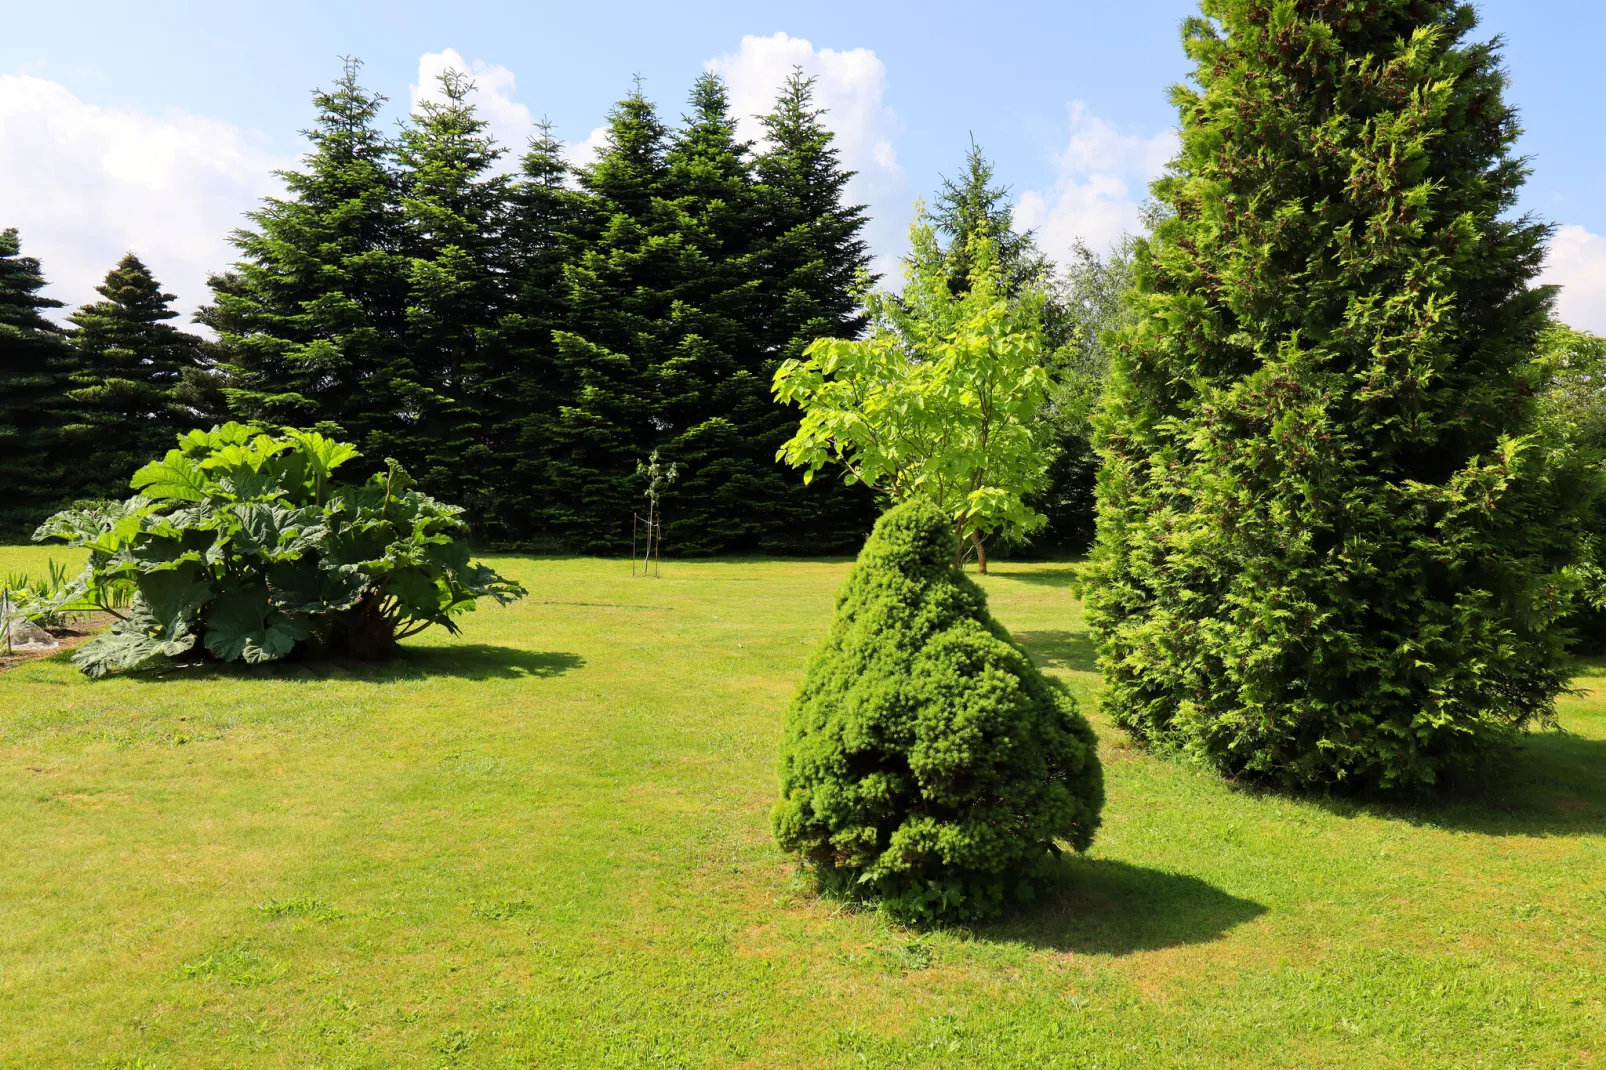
(153, 126)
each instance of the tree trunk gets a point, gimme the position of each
(981, 552)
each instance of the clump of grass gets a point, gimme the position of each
(234, 963)
(301, 906)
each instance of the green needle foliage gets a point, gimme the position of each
(1332, 553)
(34, 363)
(927, 762)
(241, 544)
(137, 377)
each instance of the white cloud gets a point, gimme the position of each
(508, 121)
(1577, 263)
(84, 184)
(1102, 178)
(851, 86)
(581, 153)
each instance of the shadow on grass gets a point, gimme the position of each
(482, 661)
(1104, 907)
(1060, 650)
(458, 661)
(1043, 577)
(1554, 786)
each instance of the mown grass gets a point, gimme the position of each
(546, 844)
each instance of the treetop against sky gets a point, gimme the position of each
(154, 132)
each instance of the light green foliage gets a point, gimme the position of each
(240, 543)
(927, 762)
(939, 401)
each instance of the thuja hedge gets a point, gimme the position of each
(1333, 552)
(241, 546)
(927, 763)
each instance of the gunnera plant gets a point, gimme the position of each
(239, 545)
(928, 765)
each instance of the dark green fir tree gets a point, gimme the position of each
(1330, 554)
(311, 321)
(135, 374)
(814, 264)
(712, 385)
(453, 206)
(548, 223)
(620, 294)
(37, 476)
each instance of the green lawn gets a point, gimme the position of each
(546, 844)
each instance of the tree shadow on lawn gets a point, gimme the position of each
(1060, 650)
(1103, 907)
(1043, 577)
(458, 661)
(1554, 786)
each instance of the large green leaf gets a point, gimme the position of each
(242, 626)
(173, 477)
(143, 641)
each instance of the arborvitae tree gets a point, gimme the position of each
(621, 296)
(311, 321)
(927, 760)
(453, 207)
(547, 222)
(133, 374)
(813, 266)
(1328, 555)
(36, 475)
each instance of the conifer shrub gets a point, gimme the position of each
(927, 763)
(1334, 549)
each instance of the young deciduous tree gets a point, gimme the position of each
(1331, 552)
(132, 368)
(35, 473)
(939, 402)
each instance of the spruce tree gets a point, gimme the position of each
(713, 382)
(311, 320)
(548, 222)
(37, 477)
(927, 761)
(813, 266)
(620, 290)
(133, 374)
(453, 207)
(1328, 555)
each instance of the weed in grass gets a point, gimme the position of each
(233, 963)
(301, 906)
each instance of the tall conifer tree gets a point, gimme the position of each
(453, 205)
(713, 384)
(1328, 554)
(36, 475)
(311, 321)
(620, 290)
(548, 220)
(133, 372)
(814, 263)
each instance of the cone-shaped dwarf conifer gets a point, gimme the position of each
(926, 759)
(1328, 554)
